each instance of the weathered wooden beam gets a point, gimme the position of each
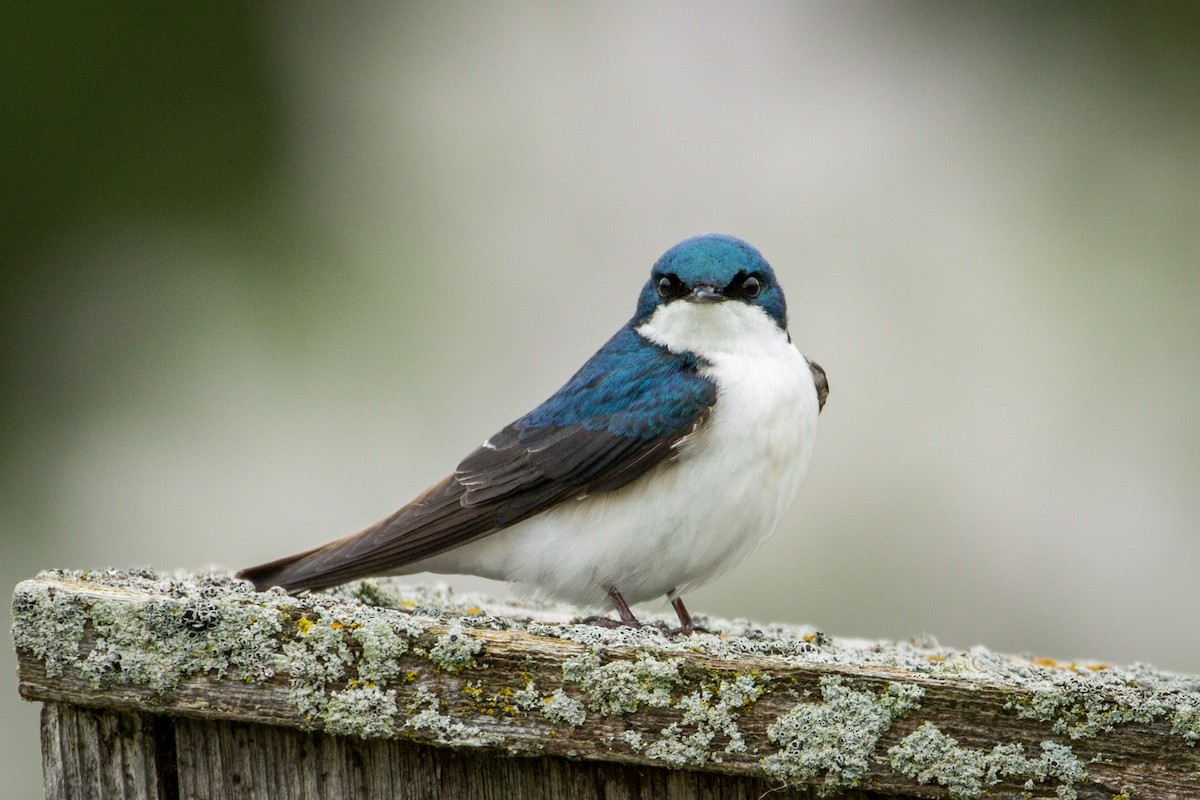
(223, 759)
(100, 754)
(373, 669)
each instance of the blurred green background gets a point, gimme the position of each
(270, 269)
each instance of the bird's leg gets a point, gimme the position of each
(628, 620)
(685, 619)
(627, 617)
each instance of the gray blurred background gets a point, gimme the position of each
(269, 270)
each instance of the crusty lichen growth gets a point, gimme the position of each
(838, 737)
(1186, 720)
(1085, 702)
(715, 711)
(366, 711)
(426, 716)
(708, 714)
(930, 756)
(205, 624)
(378, 659)
(563, 709)
(455, 650)
(621, 687)
(154, 630)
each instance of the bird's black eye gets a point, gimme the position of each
(664, 287)
(751, 287)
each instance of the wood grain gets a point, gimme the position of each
(90, 753)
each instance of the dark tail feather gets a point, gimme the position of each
(431, 524)
(281, 572)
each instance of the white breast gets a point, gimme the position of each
(696, 515)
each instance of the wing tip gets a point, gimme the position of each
(280, 572)
(820, 381)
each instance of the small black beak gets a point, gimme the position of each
(705, 294)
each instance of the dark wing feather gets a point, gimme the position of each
(428, 519)
(621, 414)
(820, 381)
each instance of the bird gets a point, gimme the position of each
(670, 455)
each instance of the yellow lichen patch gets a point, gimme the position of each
(505, 702)
(473, 610)
(502, 702)
(304, 625)
(336, 625)
(1070, 666)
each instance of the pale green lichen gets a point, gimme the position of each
(731, 699)
(199, 626)
(838, 737)
(929, 756)
(621, 687)
(318, 655)
(527, 698)
(455, 650)
(1185, 721)
(678, 748)
(383, 637)
(153, 630)
(1090, 700)
(426, 717)
(359, 646)
(710, 712)
(1058, 762)
(1084, 710)
(318, 650)
(49, 624)
(563, 709)
(366, 711)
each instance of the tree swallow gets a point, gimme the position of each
(670, 455)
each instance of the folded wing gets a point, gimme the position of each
(624, 412)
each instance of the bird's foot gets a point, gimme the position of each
(686, 626)
(628, 620)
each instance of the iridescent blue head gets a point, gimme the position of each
(713, 268)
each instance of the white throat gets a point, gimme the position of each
(710, 330)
